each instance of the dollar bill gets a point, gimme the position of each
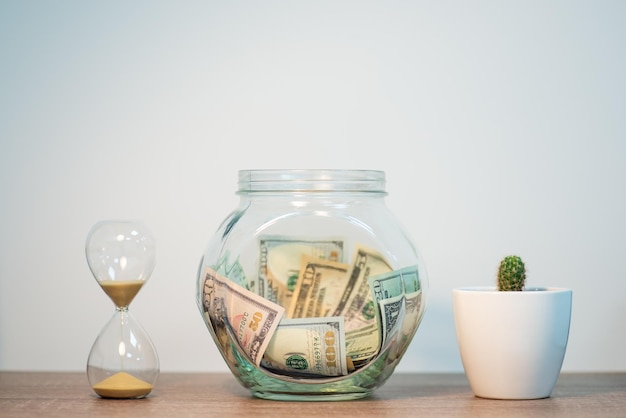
(251, 319)
(411, 279)
(363, 344)
(308, 346)
(280, 261)
(386, 285)
(413, 305)
(373, 330)
(356, 304)
(363, 335)
(392, 317)
(387, 291)
(319, 287)
(413, 312)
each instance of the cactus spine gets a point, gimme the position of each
(511, 274)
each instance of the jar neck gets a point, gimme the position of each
(311, 181)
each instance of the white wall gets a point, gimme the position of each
(500, 126)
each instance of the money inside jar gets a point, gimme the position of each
(309, 312)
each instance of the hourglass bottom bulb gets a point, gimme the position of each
(123, 362)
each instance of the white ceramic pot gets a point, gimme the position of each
(512, 344)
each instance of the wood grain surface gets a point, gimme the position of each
(51, 394)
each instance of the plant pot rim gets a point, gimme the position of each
(526, 291)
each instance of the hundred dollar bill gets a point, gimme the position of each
(251, 319)
(319, 288)
(308, 346)
(280, 258)
(356, 304)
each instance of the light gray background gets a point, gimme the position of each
(500, 126)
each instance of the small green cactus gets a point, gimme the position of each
(511, 274)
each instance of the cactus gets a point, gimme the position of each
(511, 274)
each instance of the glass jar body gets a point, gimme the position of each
(317, 259)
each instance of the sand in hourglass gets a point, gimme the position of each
(121, 384)
(121, 292)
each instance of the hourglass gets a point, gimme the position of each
(123, 362)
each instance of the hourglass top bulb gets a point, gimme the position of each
(121, 256)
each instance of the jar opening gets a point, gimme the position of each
(318, 180)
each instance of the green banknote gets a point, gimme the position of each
(280, 260)
(320, 286)
(308, 346)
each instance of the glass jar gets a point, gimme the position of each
(310, 288)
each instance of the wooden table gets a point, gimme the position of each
(41, 394)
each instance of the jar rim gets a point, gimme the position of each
(311, 180)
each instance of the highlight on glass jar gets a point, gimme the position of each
(310, 288)
(123, 362)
